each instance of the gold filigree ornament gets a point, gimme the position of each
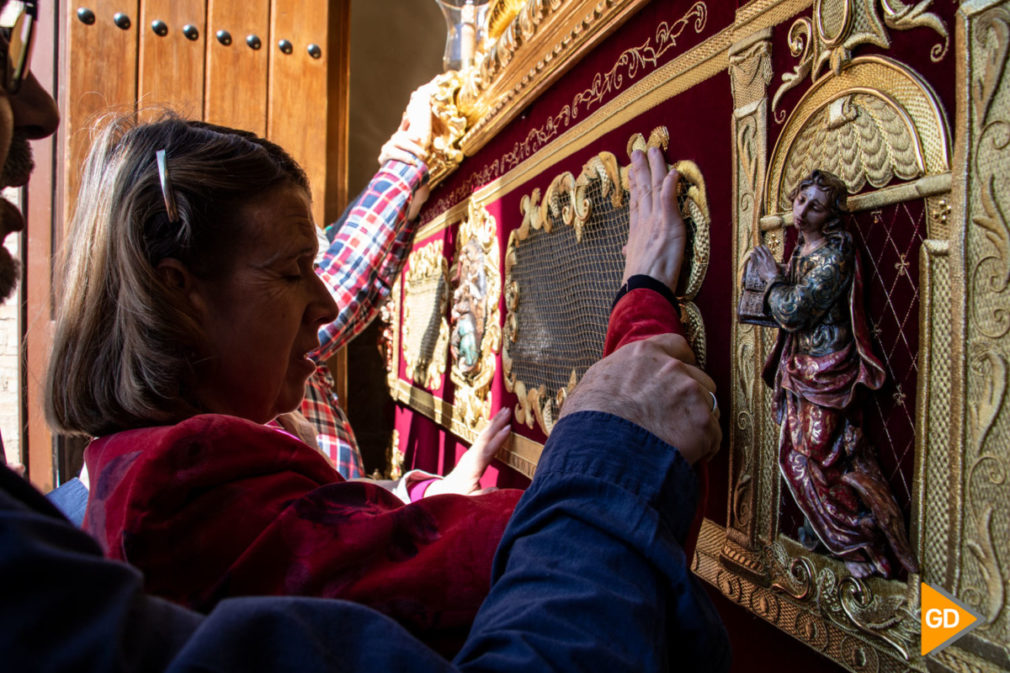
(599, 191)
(837, 27)
(884, 610)
(447, 129)
(475, 337)
(425, 328)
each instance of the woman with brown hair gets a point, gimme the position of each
(189, 308)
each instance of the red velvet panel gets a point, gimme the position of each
(699, 123)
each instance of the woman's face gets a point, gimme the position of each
(810, 209)
(262, 316)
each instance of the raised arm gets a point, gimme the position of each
(369, 247)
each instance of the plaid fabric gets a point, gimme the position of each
(360, 266)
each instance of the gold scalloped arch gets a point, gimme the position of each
(883, 119)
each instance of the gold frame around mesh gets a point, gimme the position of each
(567, 199)
(426, 267)
(473, 394)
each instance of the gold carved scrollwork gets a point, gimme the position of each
(425, 302)
(448, 127)
(983, 564)
(885, 610)
(693, 202)
(567, 200)
(476, 332)
(838, 27)
(389, 317)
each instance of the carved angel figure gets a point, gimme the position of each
(821, 360)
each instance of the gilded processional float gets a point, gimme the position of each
(862, 353)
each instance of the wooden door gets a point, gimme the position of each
(216, 60)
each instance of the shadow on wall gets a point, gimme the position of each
(396, 45)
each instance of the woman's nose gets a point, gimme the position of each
(324, 308)
(34, 110)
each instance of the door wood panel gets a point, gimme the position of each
(172, 66)
(103, 78)
(297, 106)
(236, 81)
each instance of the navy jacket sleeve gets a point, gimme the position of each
(589, 576)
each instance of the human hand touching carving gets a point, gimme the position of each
(654, 384)
(656, 231)
(465, 477)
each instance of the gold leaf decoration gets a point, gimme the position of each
(475, 336)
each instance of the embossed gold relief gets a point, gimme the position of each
(530, 53)
(572, 202)
(837, 27)
(985, 554)
(425, 302)
(873, 122)
(750, 73)
(448, 127)
(475, 318)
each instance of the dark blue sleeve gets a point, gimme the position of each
(590, 575)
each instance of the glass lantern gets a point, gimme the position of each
(465, 31)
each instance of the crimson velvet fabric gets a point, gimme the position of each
(217, 506)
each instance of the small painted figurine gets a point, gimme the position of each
(822, 357)
(469, 307)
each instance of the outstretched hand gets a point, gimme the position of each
(465, 477)
(652, 383)
(656, 231)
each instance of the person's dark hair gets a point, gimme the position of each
(124, 343)
(835, 188)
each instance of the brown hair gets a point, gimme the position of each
(124, 344)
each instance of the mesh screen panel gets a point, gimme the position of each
(565, 291)
(423, 302)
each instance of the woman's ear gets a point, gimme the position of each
(180, 281)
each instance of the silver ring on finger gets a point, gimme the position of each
(715, 402)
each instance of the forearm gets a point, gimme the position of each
(368, 252)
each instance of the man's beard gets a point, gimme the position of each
(19, 163)
(10, 272)
(16, 168)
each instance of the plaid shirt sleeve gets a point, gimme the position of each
(368, 252)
